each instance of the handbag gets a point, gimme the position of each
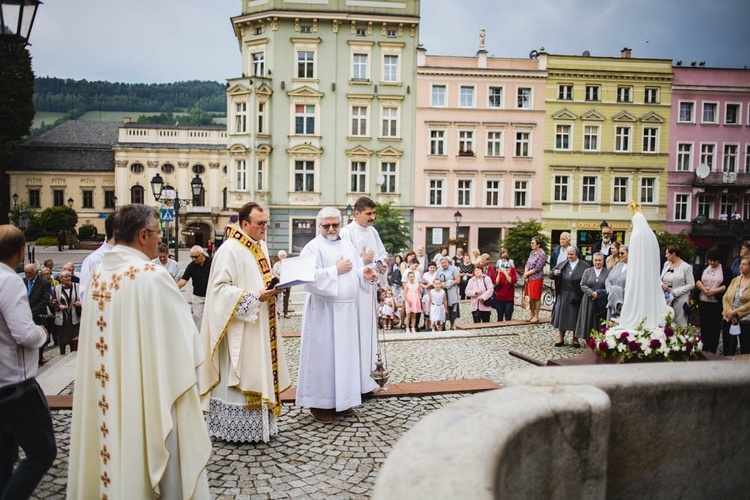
(526, 302)
(492, 301)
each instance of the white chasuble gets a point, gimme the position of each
(329, 365)
(137, 429)
(245, 369)
(366, 237)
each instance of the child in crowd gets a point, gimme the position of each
(387, 308)
(412, 302)
(437, 305)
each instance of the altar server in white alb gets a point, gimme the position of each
(366, 240)
(329, 367)
(137, 429)
(245, 370)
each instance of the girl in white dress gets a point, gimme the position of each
(387, 309)
(437, 305)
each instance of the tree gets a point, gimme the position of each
(53, 219)
(392, 229)
(17, 112)
(681, 241)
(518, 238)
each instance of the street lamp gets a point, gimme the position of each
(172, 198)
(16, 20)
(349, 213)
(70, 202)
(15, 200)
(457, 217)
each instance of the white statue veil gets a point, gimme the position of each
(644, 298)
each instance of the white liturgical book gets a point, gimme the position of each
(297, 271)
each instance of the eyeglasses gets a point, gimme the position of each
(262, 223)
(622, 253)
(606, 234)
(329, 226)
(195, 257)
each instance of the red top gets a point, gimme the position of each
(503, 290)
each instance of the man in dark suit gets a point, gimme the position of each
(605, 243)
(37, 290)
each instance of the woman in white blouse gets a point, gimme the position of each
(677, 282)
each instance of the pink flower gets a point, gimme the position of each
(634, 345)
(688, 346)
(603, 346)
(624, 335)
(592, 343)
(655, 344)
(668, 331)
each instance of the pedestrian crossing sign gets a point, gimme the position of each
(167, 215)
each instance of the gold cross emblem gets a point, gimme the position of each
(101, 323)
(105, 479)
(104, 429)
(105, 455)
(102, 376)
(101, 345)
(104, 405)
(132, 272)
(101, 297)
(115, 284)
(149, 266)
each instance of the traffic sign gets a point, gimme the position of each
(167, 215)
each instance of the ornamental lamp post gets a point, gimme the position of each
(349, 213)
(172, 198)
(16, 20)
(70, 202)
(457, 217)
(15, 200)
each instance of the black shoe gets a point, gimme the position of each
(559, 344)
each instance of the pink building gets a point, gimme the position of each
(479, 148)
(709, 172)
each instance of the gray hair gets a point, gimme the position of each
(624, 246)
(566, 234)
(598, 254)
(572, 247)
(327, 212)
(281, 253)
(198, 248)
(64, 273)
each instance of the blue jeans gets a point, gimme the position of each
(504, 310)
(25, 423)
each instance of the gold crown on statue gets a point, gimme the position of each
(635, 206)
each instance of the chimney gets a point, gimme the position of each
(126, 119)
(625, 53)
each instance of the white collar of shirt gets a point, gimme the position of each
(573, 265)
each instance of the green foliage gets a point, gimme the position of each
(518, 238)
(681, 241)
(50, 241)
(392, 228)
(86, 232)
(195, 117)
(53, 219)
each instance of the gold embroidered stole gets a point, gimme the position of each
(254, 401)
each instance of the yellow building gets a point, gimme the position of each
(606, 143)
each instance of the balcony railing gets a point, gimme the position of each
(733, 228)
(724, 180)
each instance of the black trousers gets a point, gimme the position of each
(25, 423)
(730, 341)
(481, 316)
(710, 315)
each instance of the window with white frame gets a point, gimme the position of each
(684, 157)
(304, 119)
(746, 208)
(650, 139)
(591, 137)
(651, 95)
(137, 196)
(262, 127)
(388, 171)
(258, 63)
(359, 121)
(240, 167)
(706, 205)
(562, 137)
(588, 189)
(624, 94)
(620, 190)
(561, 188)
(523, 98)
(305, 64)
(731, 152)
(435, 192)
(732, 114)
(523, 144)
(438, 96)
(466, 142)
(492, 193)
(390, 68)
(686, 112)
(520, 194)
(240, 117)
(260, 176)
(622, 139)
(494, 143)
(437, 142)
(726, 205)
(682, 207)
(358, 175)
(360, 68)
(708, 152)
(466, 96)
(495, 97)
(565, 92)
(709, 113)
(304, 176)
(389, 121)
(648, 190)
(592, 92)
(463, 194)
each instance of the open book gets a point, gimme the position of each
(296, 271)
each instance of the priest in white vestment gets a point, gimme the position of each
(365, 238)
(245, 369)
(329, 368)
(137, 428)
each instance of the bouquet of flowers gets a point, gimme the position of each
(663, 343)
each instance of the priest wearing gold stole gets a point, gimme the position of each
(137, 429)
(245, 369)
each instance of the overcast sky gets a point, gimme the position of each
(153, 41)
